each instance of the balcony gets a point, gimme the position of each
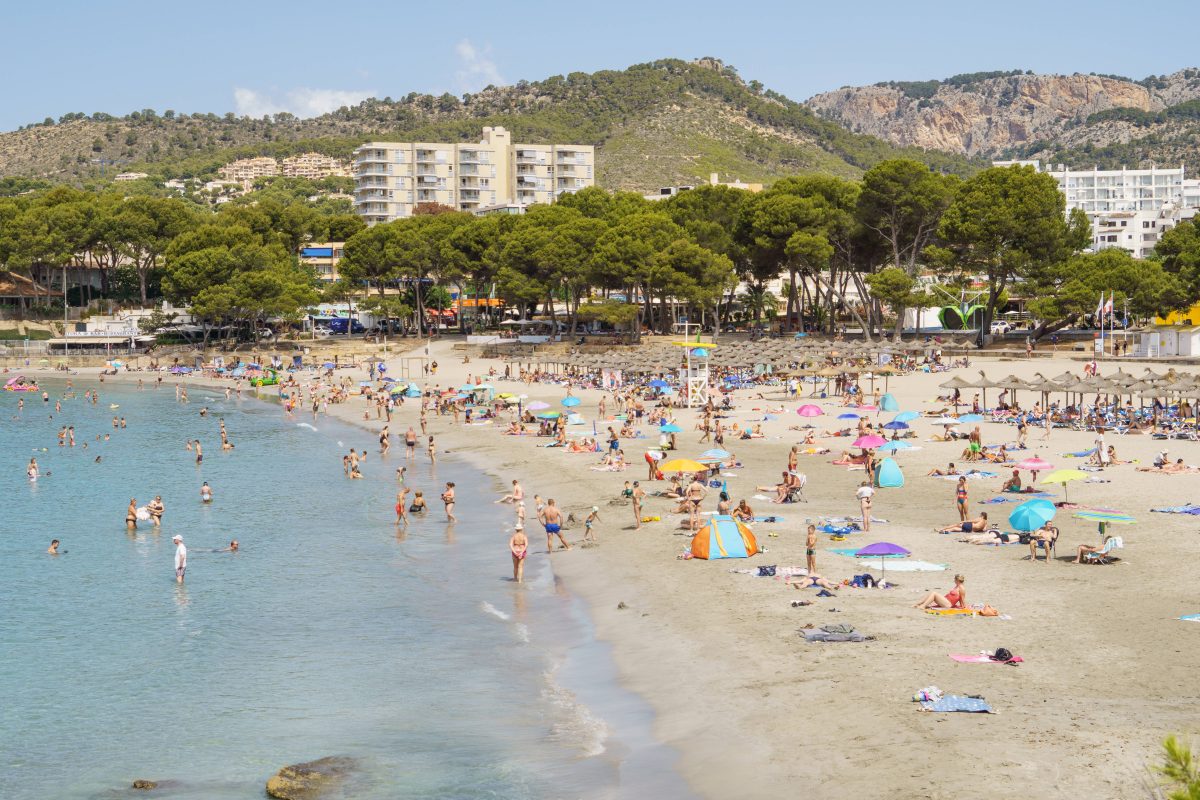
(372, 157)
(467, 169)
(531, 158)
(380, 170)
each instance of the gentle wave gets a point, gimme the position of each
(305, 425)
(576, 726)
(495, 612)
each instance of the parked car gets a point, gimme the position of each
(1000, 326)
(339, 325)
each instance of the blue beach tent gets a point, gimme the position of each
(888, 403)
(889, 476)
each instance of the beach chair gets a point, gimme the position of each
(1050, 547)
(1104, 555)
(796, 493)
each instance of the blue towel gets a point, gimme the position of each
(1190, 618)
(836, 529)
(771, 518)
(954, 702)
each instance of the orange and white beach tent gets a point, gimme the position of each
(724, 537)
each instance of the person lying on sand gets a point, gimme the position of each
(812, 581)
(940, 473)
(977, 525)
(992, 537)
(1170, 469)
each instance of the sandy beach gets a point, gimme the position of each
(751, 707)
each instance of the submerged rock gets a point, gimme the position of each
(145, 785)
(309, 780)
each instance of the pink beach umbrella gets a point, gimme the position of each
(809, 410)
(869, 442)
(1035, 465)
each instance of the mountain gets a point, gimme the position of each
(663, 123)
(1079, 120)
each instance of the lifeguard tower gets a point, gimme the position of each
(693, 371)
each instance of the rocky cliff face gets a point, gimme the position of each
(993, 115)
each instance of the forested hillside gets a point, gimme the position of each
(661, 123)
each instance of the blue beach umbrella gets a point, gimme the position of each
(570, 402)
(329, 365)
(895, 426)
(716, 453)
(971, 418)
(888, 403)
(549, 415)
(659, 383)
(1032, 514)
(671, 428)
(895, 445)
(907, 416)
(848, 415)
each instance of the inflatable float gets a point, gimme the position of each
(19, 384)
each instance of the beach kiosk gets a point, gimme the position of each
(693, 371)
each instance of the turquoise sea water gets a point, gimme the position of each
(328, 634)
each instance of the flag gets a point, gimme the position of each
(1100, 309)
(1108, 309)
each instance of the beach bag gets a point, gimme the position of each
(1002, 654)
(988, 611)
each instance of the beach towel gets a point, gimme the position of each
(839, 530)
(971, 476)
(900, 565)
(994, 500)
(965, 658)
(1190, 618)
(949, 612)
(1188, 509)
(824, 636)
(1080, 454)
(850, 551)
(768, 519)
(954, 702)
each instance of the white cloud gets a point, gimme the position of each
(303, 102)
(476, 68)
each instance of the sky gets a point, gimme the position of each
(256, 57)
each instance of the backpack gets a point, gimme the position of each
(1002, 654)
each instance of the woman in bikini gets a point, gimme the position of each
(518, 546)
(131, 515)
(955, 598)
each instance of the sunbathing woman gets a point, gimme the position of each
(977, 525)
(812, 581)
(955, 598)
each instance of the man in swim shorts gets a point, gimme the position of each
(551, 518)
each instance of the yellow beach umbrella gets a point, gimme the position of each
(682, 465)
(1064, 476)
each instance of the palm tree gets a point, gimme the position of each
(758, 301)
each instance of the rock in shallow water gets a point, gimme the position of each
(145, 785)
(309, 780)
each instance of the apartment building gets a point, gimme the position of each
(125, 177)
(314, 166)
(323, 258)
(1128, 208)
(392, 178)
(248, 170)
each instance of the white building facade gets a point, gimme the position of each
(393, 178)
(1128, 208)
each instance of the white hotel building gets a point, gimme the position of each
(1128, 208)
(392, 178)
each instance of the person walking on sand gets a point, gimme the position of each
(551, 519)
(695, 494)
(810, 549)
(960, 498)
(180, 558)
(518, 547)
(864, 494)
(592, 518)
(448, 501)
(638, 494)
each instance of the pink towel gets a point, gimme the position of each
(964, 658)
